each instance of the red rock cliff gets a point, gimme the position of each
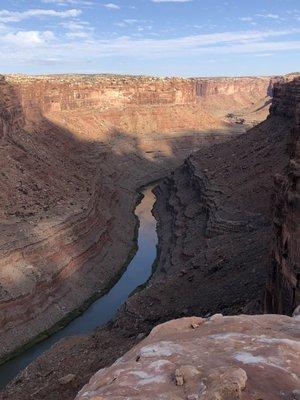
(283, 289)
(50, 94)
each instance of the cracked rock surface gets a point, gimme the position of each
(223, 358)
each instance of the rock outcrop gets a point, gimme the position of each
(73, 151)
(283, 287)
(219, 358)
(215, 224)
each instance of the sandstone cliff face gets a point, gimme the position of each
(245, 99)
(233, 86)
(51, 94)
(143, 104)
(11, 116)
(234, 91)
(220, 358)
(73, 151)
(215, 223)
(283, 287)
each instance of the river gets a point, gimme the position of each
(103, 309)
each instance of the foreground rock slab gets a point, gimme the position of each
(240, 357)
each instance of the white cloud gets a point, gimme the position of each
(77, 29)
(263, 55)
(131, 21)
(111, 6)
(271, 16)
(228, 42)
(28, 38)
(76, 25)
(127, 22)
(3, 27)
(121, 24)
(16, 16)
(83, 50)
(246, 19)
(78, 35)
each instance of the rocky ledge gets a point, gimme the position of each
(283, 287)
(219, 358)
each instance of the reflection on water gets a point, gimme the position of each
(103, 309)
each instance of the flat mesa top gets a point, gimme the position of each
(117, 78)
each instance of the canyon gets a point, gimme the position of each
(75, 151)
(73, 148)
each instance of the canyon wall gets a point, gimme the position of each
(58, 207)
(245, 100)
(215, 219)
(61, 93)
(283, 287)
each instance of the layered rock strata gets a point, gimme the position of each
(57, 225)
(70, 92)
(214, 215)
(244, 357)
(283, 287)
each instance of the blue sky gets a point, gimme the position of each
(151, 37)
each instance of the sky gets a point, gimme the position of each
(150, 37)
